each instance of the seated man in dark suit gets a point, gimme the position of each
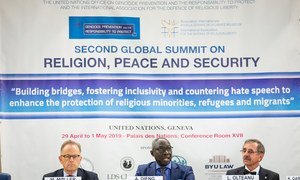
(163, 166)
(70, 158)
(253, 152)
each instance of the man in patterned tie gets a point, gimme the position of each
(253, 152)
(163, 166)
(70, 158)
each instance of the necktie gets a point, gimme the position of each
(248, 172)
(163, 172)
(70, 176)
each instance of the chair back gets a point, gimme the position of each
(5, 176)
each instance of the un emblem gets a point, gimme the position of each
(87, 164)
(179, 160)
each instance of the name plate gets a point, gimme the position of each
(240, 177)
(144, 178)
(62, 178)
(293, 178)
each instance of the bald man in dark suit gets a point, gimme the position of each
(163, 166)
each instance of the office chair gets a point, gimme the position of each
(5, 176)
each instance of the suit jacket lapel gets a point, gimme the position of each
(81, 174)
(240, 171)
(263, 175)
(175, 172)
(60, 173)
(151, 170)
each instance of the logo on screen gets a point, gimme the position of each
(217, 166)
(87, 164)
(169, 28)
(219, 162)
(127, 163)
(179, 159)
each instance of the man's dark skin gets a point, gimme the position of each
(162, 152)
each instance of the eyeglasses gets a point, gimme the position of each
(249, 151)
(68, 156)
(163, 149)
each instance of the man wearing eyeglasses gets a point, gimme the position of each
(253, 152)
(163, 166)
(70, 158)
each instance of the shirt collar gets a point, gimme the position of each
(255, 170)
(158, 166)
(74, 174)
